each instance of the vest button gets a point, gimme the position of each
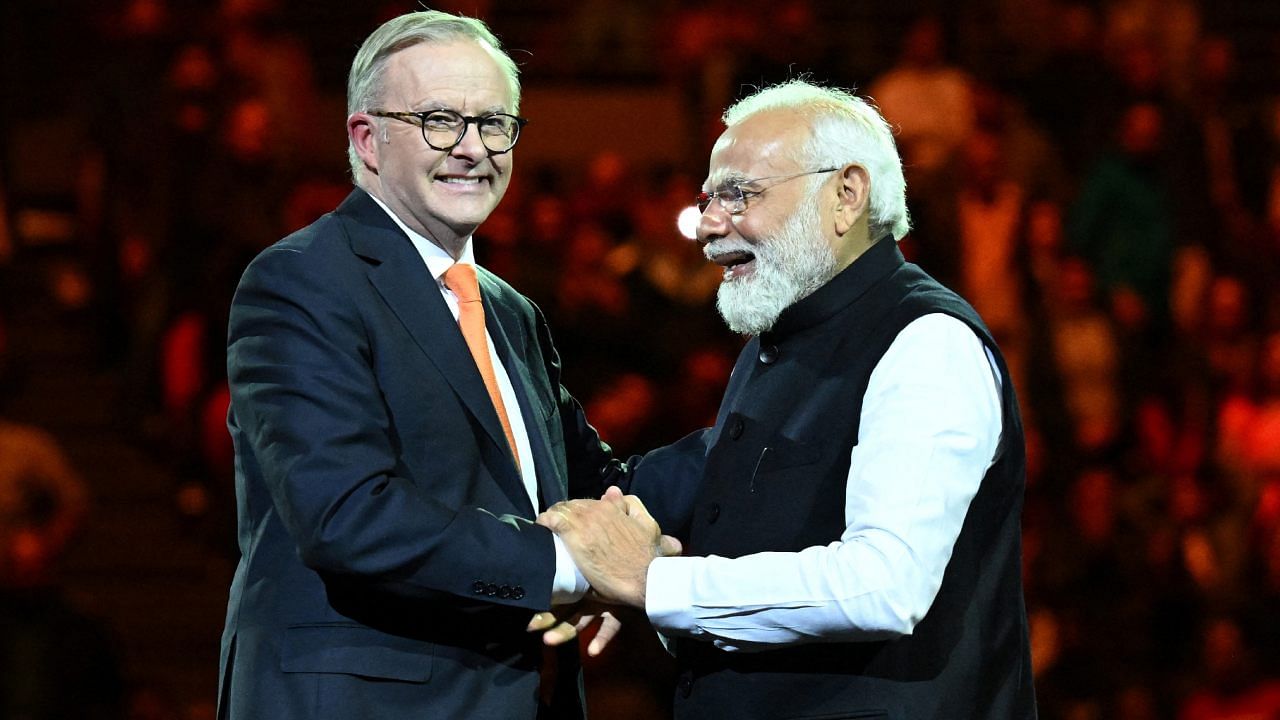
(713, 513)
(769, 354)
(735, 428)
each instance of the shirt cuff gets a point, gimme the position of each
(569, 585)
(668, 597)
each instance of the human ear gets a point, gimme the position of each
(853, 195)
(361, 130)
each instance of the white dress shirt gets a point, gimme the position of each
(929, 428)
(568, 585)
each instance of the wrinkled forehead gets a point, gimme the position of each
(762, 145)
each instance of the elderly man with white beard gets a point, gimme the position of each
(851, 524)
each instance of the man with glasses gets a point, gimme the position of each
(852, 521)
(399, 421)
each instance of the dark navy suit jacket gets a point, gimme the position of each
(389, 565)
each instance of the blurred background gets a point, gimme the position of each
(1100, 179)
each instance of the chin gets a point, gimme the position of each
(748, 308)
(462, 218)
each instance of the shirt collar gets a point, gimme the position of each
(437, 260)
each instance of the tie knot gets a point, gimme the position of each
(461, 279)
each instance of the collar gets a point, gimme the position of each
(839, 292)
(437, 260)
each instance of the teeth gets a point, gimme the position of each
(461, 180)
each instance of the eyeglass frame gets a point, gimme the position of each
(420, 119)
(704, 198)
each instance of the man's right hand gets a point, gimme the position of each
(612, 540)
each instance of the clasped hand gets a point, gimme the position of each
(612, 540)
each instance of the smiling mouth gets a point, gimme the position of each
(457, 180)
(735, 262)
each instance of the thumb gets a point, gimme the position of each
(551, 520)
(669, 546)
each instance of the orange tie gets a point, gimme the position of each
(461, 279)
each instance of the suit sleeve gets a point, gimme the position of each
(305, 396)
(667, 480)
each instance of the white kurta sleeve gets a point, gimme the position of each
(929, 429)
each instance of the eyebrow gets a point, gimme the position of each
(726, 178)
(431, 105)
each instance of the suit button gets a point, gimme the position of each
(517, 593)
(769, 354)
(491, 590)
(504, 591)
(685, 684)
(477, 587)
(735, 428)
(713, 513)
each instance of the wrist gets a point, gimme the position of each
(568, 584)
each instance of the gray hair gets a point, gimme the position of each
(844, 129)
(364, 84)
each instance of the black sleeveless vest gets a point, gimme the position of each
(775, 478)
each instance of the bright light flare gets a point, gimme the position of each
(687, 222)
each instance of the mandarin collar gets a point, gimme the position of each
(848, 285)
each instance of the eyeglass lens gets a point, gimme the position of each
(443, 129)
(730, 199)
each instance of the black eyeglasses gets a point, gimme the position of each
(443, 129)
(733, 197)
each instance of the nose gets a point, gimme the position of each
(714, 223)
(470, 146)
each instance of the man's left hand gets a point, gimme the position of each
(561, 624)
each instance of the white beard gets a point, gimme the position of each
(789, 266)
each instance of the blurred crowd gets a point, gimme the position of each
(1100, 179)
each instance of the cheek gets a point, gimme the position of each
(502, 165)
(756, 230)
(412, 159)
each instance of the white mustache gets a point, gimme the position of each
(724, 247)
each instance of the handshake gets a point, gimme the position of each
(612, 540)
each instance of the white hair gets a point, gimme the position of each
(364, 83)
(844, 129)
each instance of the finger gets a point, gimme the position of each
(541, 621)
(580, 504)
(613, 495)
(560, 634)
(669, 546)
(554, 521)
(609, 627)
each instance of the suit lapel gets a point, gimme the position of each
(400, 277)
(498, 318)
